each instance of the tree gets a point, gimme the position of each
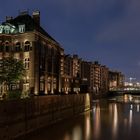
(11, 70)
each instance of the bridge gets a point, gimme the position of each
(126, 90)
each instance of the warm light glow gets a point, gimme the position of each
(87, 100)
(88, 127)
(125, 98)
(130, 118)
(97, 121)
(110, 110)
(77, 133)
(67, 137)
(138, 108)
(115, 121)
(46, 88)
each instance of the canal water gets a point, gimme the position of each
(115, 118)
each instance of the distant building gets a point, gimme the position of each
(95, 78)
(76, 67)
(71, 76)
(23, 38)
(116, 80)
(85, 76)
(104, 79)
(98, 79)
(67, 75)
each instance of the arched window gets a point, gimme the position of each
(7, 46)
(27, 46)
(42, 84)
(26, 63)
(1, 46)
(17, 47)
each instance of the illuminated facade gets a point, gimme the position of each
(48, 69)
(76, 68)
(71, 77)
(85, 76)
(23, 38)
(116, 80)
(104, 79)
(67, 75)
(98, 79)
(95, 78)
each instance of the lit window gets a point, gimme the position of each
(7, 29)
(27, 46)
(21, 28)
(26, 63)
(42, 85)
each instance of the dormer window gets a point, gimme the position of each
(1, 29)
(7, 29)
(21, 28)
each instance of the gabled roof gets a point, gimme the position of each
(30, 25)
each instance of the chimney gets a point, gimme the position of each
(36, 17)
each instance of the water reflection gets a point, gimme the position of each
(131, 106)
(130, 118)
(127, 98)
(77, 133)
(138, 108)
(110, 119)
(88, 127)
(67, 137)
(115, 121)
(97, 126)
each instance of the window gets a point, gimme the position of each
(7, 29)
(26, 87)
(1, 47)
(42, 85)
(1, 64)
(7, 47)
(13, 87)
(17, 48)
(21, 28)
(26, 79)
(26, 63)
(1, 28)
(27, 46)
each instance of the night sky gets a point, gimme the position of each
(103, 30)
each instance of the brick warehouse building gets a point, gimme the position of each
(48, 69)
(23, 38)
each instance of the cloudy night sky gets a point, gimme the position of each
(103, 30)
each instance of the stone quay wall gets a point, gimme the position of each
(20, 117)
